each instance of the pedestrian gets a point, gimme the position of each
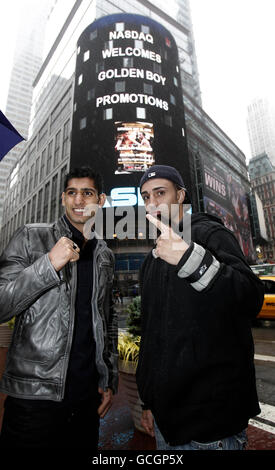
(195, 373)
(61, 368)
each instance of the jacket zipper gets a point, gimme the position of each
(98, 323)
(71, 328)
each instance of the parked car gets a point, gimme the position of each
(268, 309)
(263, 269)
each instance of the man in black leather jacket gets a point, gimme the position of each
(61, 368)
(196, 373)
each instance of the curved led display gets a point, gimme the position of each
(128, 107)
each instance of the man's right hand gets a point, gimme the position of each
(63, 251)
(147, 422)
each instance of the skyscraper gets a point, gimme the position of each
(262, 176)
(27, 61)
(218, 169)
(261, 127)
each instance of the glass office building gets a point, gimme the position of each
(34, 187)
(27, 60)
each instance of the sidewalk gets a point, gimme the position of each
(117, 431)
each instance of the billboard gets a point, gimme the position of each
(225, 197)
(128, 106)
(134, 146)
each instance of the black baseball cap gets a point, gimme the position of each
(164, 171)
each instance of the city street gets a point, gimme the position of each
(118, 432)
(264, 338)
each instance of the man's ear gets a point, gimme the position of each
(101, 199)
(181, 196)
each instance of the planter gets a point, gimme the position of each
(127, 372)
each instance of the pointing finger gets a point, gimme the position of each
(158, 223)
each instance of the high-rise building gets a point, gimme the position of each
(262, 176)
(261, 127)
(218, 172)
(27, 61)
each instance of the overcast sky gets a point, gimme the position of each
(235, 42)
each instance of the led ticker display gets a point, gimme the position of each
(128, 106)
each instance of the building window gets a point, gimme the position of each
(61, 189)
(82, 123)
(19, 223)
(53, 199)
(42, 135)
(28, 214)
(109, 44)
(108, 114)
(176, 81)
(39, 205)
(65, 145)
(78, 50)
(86, 56)
(99, 67)
(33, 209)
(128, 62)
(26, 184)
(23, 215)
(90, 94)
(93, 34)
(22, 185)
(119, 26)
(145, 29)
(36, 173)
(119, 86)
(46, 202)
(50, 156)
(157, 68)
(138, 44)
(80, 79)
(168, 120)
(42, 166)
(31, 178)
(56, 149)
(172, 99)
(141, 113)
(148, 88)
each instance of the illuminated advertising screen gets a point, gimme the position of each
(133, 145)
(225, 197)
(128, 107)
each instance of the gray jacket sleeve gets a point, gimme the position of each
(21, 281)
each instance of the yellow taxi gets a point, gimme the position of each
(268, 309)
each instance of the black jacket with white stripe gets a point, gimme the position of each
(196, 370)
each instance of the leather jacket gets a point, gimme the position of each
(42, 301)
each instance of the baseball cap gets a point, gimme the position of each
(163, 171)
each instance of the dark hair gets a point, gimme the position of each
(186, 198)
(85, 172)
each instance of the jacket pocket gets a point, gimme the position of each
(34, 337)
(106, 271)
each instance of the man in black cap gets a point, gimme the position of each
(196, 373)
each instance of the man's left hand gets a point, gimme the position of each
(106, 401)
(169, 246)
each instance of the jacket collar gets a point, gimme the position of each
(62, 229)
